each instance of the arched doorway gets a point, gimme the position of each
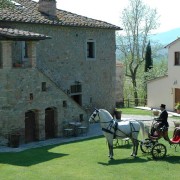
(49, 123)
(30, 126)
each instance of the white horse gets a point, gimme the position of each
(117, 130)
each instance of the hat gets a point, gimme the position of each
(163, 106)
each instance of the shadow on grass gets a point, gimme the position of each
(123, 161)
(169, 159)
(36, 155)
(29, 157)
(172, 159)
(123, 146)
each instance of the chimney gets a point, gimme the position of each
(48, 7)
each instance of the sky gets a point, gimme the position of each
(110, 10)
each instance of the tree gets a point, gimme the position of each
(5, 3)
(148, 58)
(138, 21)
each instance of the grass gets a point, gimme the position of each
(87, 159)
(135, 111)
(141, 112)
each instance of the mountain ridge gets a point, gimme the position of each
(166, 37)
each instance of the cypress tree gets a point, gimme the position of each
(148, 58)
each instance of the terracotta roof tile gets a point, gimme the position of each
(9, 33)
(28, 12)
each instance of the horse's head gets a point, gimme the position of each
(94, 117)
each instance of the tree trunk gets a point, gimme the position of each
(136, 100)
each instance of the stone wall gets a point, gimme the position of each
(63, 59)
(16, 87)
(61, 62)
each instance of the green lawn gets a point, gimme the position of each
(87, 159)
(141, 112)
(135, 111)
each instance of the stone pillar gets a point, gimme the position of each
(32, 53)
(42, 135)
(6, 54)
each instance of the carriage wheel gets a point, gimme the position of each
(147, 145)
(159, 151)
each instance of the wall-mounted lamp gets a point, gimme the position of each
(175, 82)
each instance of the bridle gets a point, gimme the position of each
(97, 114)
(111, 122)
(94, 115)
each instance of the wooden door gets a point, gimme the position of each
(177, 95)
(49, 123)
(30, 127)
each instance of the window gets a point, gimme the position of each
(24, 49)
(177, 58)
(43, 86)
(76, 89)
(76, 95)
(90, 49)
(31, 96)
(65, 104)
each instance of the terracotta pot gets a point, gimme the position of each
(14, 140)
(155, 113)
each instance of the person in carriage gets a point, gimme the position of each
(161, 123)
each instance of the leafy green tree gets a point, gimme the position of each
(159, 70)
(5, 3)
(138, 20)
(148, 58)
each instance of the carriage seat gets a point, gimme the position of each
(176, 136)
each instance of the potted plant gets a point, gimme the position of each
(177, 107)
(18, 64)
(155, 112)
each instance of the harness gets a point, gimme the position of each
(113, 128)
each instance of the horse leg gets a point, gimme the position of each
(111, 153)
(132, 154)
(135, 147)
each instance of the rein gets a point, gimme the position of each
(115, 128)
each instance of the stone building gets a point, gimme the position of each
(119, 84)
(55, 67)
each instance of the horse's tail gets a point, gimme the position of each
(142, 128)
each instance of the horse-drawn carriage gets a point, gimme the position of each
(151, 144)
(131, 128)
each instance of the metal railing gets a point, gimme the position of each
(130, 102)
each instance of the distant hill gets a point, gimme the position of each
(167, 37)
(163, 38)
